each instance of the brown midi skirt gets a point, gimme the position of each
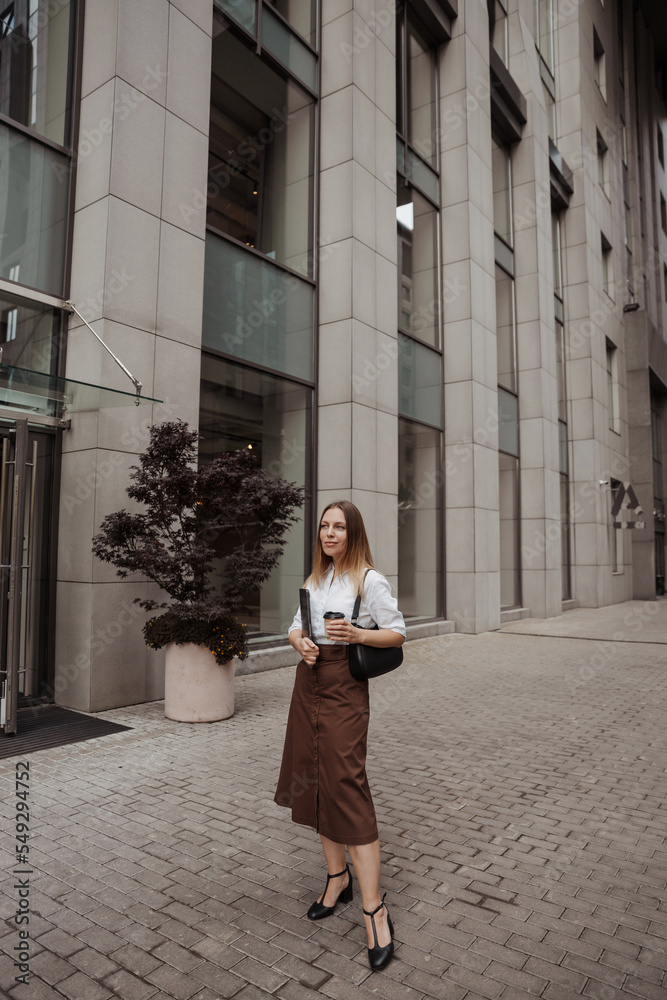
(323, 771)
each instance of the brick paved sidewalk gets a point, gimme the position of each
(520, 788)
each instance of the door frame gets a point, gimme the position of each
(22, 425)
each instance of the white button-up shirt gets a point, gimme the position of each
(378, 605)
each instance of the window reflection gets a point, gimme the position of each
(510, 566)
(505, 330)
(28, 335)
(244, 408)
(34, 65)
(33, 208)
(300, 14)
(502, 193)
(260, 179)
(498, 11)
(418, 305)
(421, 94)
(419, 520)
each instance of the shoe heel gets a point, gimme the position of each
(347, 895)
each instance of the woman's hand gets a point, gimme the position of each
(307, 648)
(343, 631)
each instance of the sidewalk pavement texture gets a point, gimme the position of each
(520, 787)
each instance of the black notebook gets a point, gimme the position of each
(304, 603)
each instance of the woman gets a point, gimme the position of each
(323, 772)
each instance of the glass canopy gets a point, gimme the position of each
(53, 396)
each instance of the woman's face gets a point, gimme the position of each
(333, 532)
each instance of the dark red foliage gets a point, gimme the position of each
(206, 534)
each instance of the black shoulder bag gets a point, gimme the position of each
(371, 661)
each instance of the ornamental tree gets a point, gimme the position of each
(206, 535)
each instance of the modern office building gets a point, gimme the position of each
(413, 254)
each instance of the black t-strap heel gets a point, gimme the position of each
(319, 910)
(378, 956)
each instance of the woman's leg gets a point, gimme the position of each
(366, 861)
(335, 855)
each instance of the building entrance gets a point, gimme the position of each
(26, 505)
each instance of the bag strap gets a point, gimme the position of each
(357, 603)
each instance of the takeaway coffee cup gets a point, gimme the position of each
(331, 616)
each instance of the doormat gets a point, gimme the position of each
(51, 726)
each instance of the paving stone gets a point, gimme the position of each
(306, 949)
(433, 986)
(101, 940)
(50, 967)
(93, 963)
(128, 987)
(303, 972)
(533, 870)
(483, 985)
(292, 990)
(35, 990)
(135, 960)
(81, 987)
(60, 943)
(172, 954)
(173, 982)
(225, 982)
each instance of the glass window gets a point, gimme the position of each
(419, 381)
(599, 66)
(550, 105)
(301, 15)
(557, 258)
(546, 32)
(612, 387)
(34, 182)
(624, 143)
(562, 447)
(28, 334)
(421, 110)
(508, 422)
(290, 50)
(502, 192)
(243, 408)
(499, 30)
(560, 364)
(34, 66)
(419, 520)
(505, 330)
(244, 12)
(257, 311)
(615, 536)
(260, 183)
(566, 573)
(510, 565)
(418, 299)
(607, 279)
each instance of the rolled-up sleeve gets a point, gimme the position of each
(296, 622)
(382, 605)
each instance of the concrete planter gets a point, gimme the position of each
(196, 688)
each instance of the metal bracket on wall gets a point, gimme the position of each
(135, 381)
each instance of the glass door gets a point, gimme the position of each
(26, 468)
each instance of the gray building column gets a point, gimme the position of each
(541, 577)
(472, 551)
(646, 349)
(358, 300)
(137, 276)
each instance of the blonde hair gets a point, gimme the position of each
(357, 557)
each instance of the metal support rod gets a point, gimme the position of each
(137, 384)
